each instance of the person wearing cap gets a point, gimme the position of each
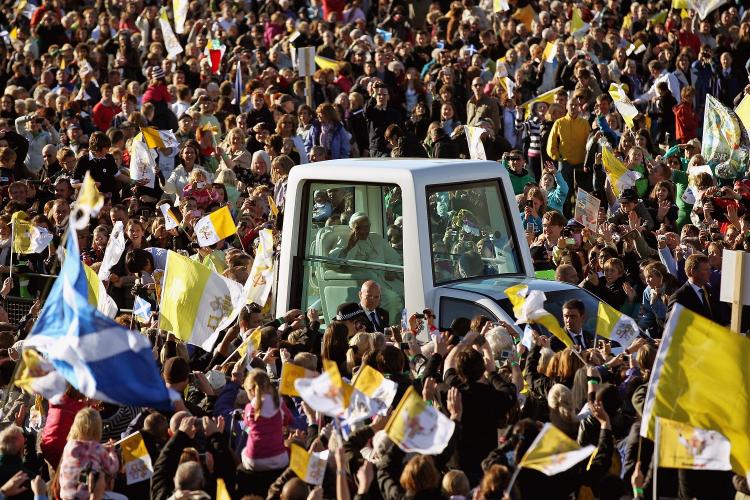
(629, 202)
(519, 176)
(158, 94)
(40, 134)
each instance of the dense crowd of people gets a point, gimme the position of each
(393, 79)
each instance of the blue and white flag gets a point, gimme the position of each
(142, 310)
(238, 87)
(387, 35)
(98, 357)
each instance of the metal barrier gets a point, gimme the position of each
(17, 308)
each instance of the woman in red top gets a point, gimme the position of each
(59, 420)
(158, 94)
(686, 121)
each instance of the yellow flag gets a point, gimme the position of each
(221, 490)
(89, 201)
(137, 461)
(374, 385)
(549, 51)
(576, 23)
(620, 176)
(680, 4)
(533, 311)
(682, 446)
(615, 325)
(289, 373)
(743, 111)
(548, 97)
(417, 427)
(553, 452)
(272, 205)
(526, 15)
(251, 342)
(325, 63)
(215, 226)
(152, 137)
(310, 467)
(701, 378)
(500, 5)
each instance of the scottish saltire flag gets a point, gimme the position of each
(142, 310)
(97, 356)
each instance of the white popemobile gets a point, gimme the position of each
(439, 234)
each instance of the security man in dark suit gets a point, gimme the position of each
(574, 315)
(696, 293)
(369, 301)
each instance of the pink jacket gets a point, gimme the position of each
(265, 436)
(81, 456)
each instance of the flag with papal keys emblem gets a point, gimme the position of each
(136, 460)
(214, 227)
(260, 281)
(88, 203)
(528, 307)
(722, 132)
(552, 452)
(418, 427)
(309, 466)
(474, 138)
(620, 177)
(98, 357)
(614, 325)
(197, 303)
(700, 378)
(142, 309)
(113, 251)
(327, 393)
(170, 219)
(171, 42)
(684, 447)
(28, 238)
(143, 160)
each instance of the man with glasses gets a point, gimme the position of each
(519, 176)
(379, 116)
(481, 106)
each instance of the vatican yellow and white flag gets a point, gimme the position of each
(260, 281)
(326, 393)
(198, 303)
(113, 252)
(528, 307)
(623, 104)
(137, 461)
(170, 219)
(684, 447)
(418, 427)
(552, 452)
(88, 203)
(309, 466)
(290, 373)
(215, 226)
(170, 40)
(374, 385)
(180, 8)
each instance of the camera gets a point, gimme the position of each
(529, 204)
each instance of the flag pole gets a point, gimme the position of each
(512, 480)
(12, 237)
(657, 439)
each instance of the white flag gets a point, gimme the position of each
(170, 40)
(142, 163)
(474, 138)
(180, 8)
(113, 252)
(260, 281)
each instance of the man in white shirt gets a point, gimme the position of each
(660, 74)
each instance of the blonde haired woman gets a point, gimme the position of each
(234, 154)
(561, 412)
(84, 454)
